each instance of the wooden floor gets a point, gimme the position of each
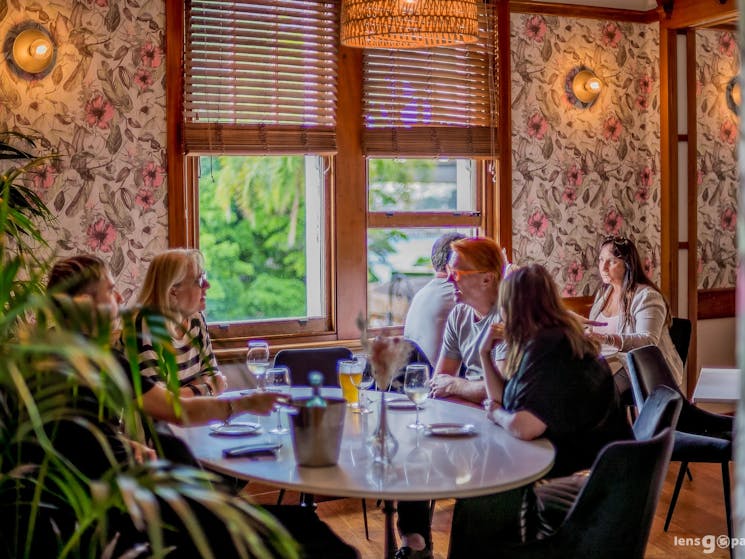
(700, 512)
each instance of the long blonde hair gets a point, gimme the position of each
(165, 271)
(530, 302)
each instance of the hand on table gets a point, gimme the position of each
(443, 385)
(261, 403)
(141, 453)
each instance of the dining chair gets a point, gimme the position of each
(700, 436)
(613, 513)
(301, 362)
(680, 334)
(304, 360)
(553, 498)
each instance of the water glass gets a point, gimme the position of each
(257, 361)
(278, 380)
(416, 387)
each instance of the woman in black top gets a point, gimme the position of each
(553, 385)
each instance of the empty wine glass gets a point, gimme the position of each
(366, 380)
(416, 387)
(278, 380)
(257, 361)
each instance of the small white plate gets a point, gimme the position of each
(450, 430)
(403, 404)
(237, 429)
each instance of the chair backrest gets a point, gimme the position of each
(680, 333)
(613, 513)
(647, 370)
(660, 410)
(305, 360)
(417, 354)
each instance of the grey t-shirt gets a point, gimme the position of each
(464, 333)
(427, 315)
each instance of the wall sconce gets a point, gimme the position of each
(734, 95)
(30, 50)
(583, 86)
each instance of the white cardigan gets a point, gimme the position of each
(645, 325)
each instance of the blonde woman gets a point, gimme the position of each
(176, 286)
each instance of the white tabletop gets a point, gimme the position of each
(720, 386)
(425, 467)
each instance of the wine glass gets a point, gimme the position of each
(366, 380)
(278, 380)
(416, 387)
(257, 361)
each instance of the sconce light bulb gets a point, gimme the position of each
(39, 48)
(593, 84)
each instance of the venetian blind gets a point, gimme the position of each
(437, 101)
(260, 76)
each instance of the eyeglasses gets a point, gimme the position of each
(201, 280)
(458, 274)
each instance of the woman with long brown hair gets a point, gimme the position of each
(553, 384)
(635, 312)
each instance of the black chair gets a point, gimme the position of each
(701, 436)
(680, 333)
(303, 361)
(613, 513)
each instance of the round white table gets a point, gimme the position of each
(424, 468)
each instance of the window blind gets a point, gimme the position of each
(260, 76)
(437, 101)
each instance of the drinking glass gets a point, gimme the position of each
(416, 387)
(350, 371)
(257, 361)
(365, 382)
(278, 380)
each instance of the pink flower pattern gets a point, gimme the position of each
(613, 222)
(152, 175)
(575, 272)
(145, 198)
(612, 129)
(569, 196)
(537, 126)
(574, 176)
(143, 79)
(44, 177)
(151, 55)
(537, 224)
(727, 44)
(535, 28)
(729, 219)
(611, 35)
(646, 176)
(646, 84)
(728, 132)
(101, 235)
(642, 194)
(99, 112)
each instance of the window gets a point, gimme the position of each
(411, 203)
(313, 178)
(261, 229)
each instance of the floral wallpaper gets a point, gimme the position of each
(717, 124)
(102, 110)
(580, 173)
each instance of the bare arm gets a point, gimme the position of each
(445, 383)
(521, 425)
(158, 403)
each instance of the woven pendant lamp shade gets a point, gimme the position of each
(408, 24)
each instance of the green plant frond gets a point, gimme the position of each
(181, 507)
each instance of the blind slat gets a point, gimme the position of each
(260, 76)
(433, 101)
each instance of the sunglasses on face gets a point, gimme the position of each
(458, 274)
(201, 280)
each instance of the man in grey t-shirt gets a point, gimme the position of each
(429, 309)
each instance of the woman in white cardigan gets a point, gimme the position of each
(634, 311)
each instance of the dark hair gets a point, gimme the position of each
(634, 276)
(530, 302)
(76, 275)
(441, 250)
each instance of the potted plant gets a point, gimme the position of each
(48, 504)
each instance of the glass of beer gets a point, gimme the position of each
(350, 374)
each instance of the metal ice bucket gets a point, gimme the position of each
(317, 431)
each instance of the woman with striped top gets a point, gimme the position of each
(176, 286)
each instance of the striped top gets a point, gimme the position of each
(193, 351)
